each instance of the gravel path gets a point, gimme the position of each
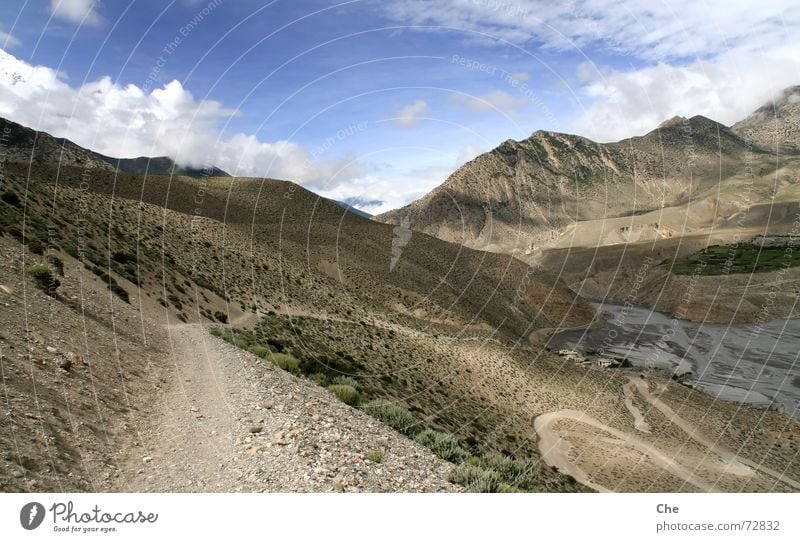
(232, 422)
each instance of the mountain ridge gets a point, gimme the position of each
(29, 145)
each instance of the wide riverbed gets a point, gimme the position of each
(744, 363)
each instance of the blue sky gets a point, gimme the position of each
(378, 101)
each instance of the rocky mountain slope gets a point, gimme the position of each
(142, 256)
(553, 198)
(524, 194)
(112, 378)
(776, 125)
(106, 395)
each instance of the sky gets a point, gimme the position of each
(377, 102)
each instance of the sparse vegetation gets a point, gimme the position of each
(376, 456)
(445, 445)
(346, 394)
(392, 415)
(45, 279)
(259, 350)
(286, 362)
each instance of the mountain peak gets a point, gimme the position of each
(672, 122)
(776, 124)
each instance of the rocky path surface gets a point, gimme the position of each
(233, 422)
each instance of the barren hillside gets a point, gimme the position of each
(429, 337)
(591, 213)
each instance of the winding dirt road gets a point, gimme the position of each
(556, 445)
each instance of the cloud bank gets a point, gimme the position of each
(127, 122)
(717, 58)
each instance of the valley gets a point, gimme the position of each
(217, 333)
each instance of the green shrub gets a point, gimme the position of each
(286, 362)
(236, 338)
(216, 331)
(260, 351)
(348, 381)
(175, 300)
(34, 245)
(475, 479)
(505, 488)
(445, 445)
(44, 279)
(221, 316)
(392, 415)
(346, 394)
(522, 473)
(376, 456)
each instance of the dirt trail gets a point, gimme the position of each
(193, 444)
(555, 449)
(737, 465)
(233, 422)
(638, 418)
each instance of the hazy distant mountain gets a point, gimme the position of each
(19, 142)
(349, 206)
(22, 144)
(775, 125)
(160, 165)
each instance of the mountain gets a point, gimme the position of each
(160, 165)
(775, 125)
(27, 145)
(524, 194)
(22, 144)
(113, 286)
(592, 212)
(436, 329)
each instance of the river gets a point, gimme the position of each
(744, 363)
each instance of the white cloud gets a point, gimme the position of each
(408, 116)
(7, 41)
(716, 58)
(653, 30)
(624, 103)
(495, 101)
(126, 121)
(76, 11)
